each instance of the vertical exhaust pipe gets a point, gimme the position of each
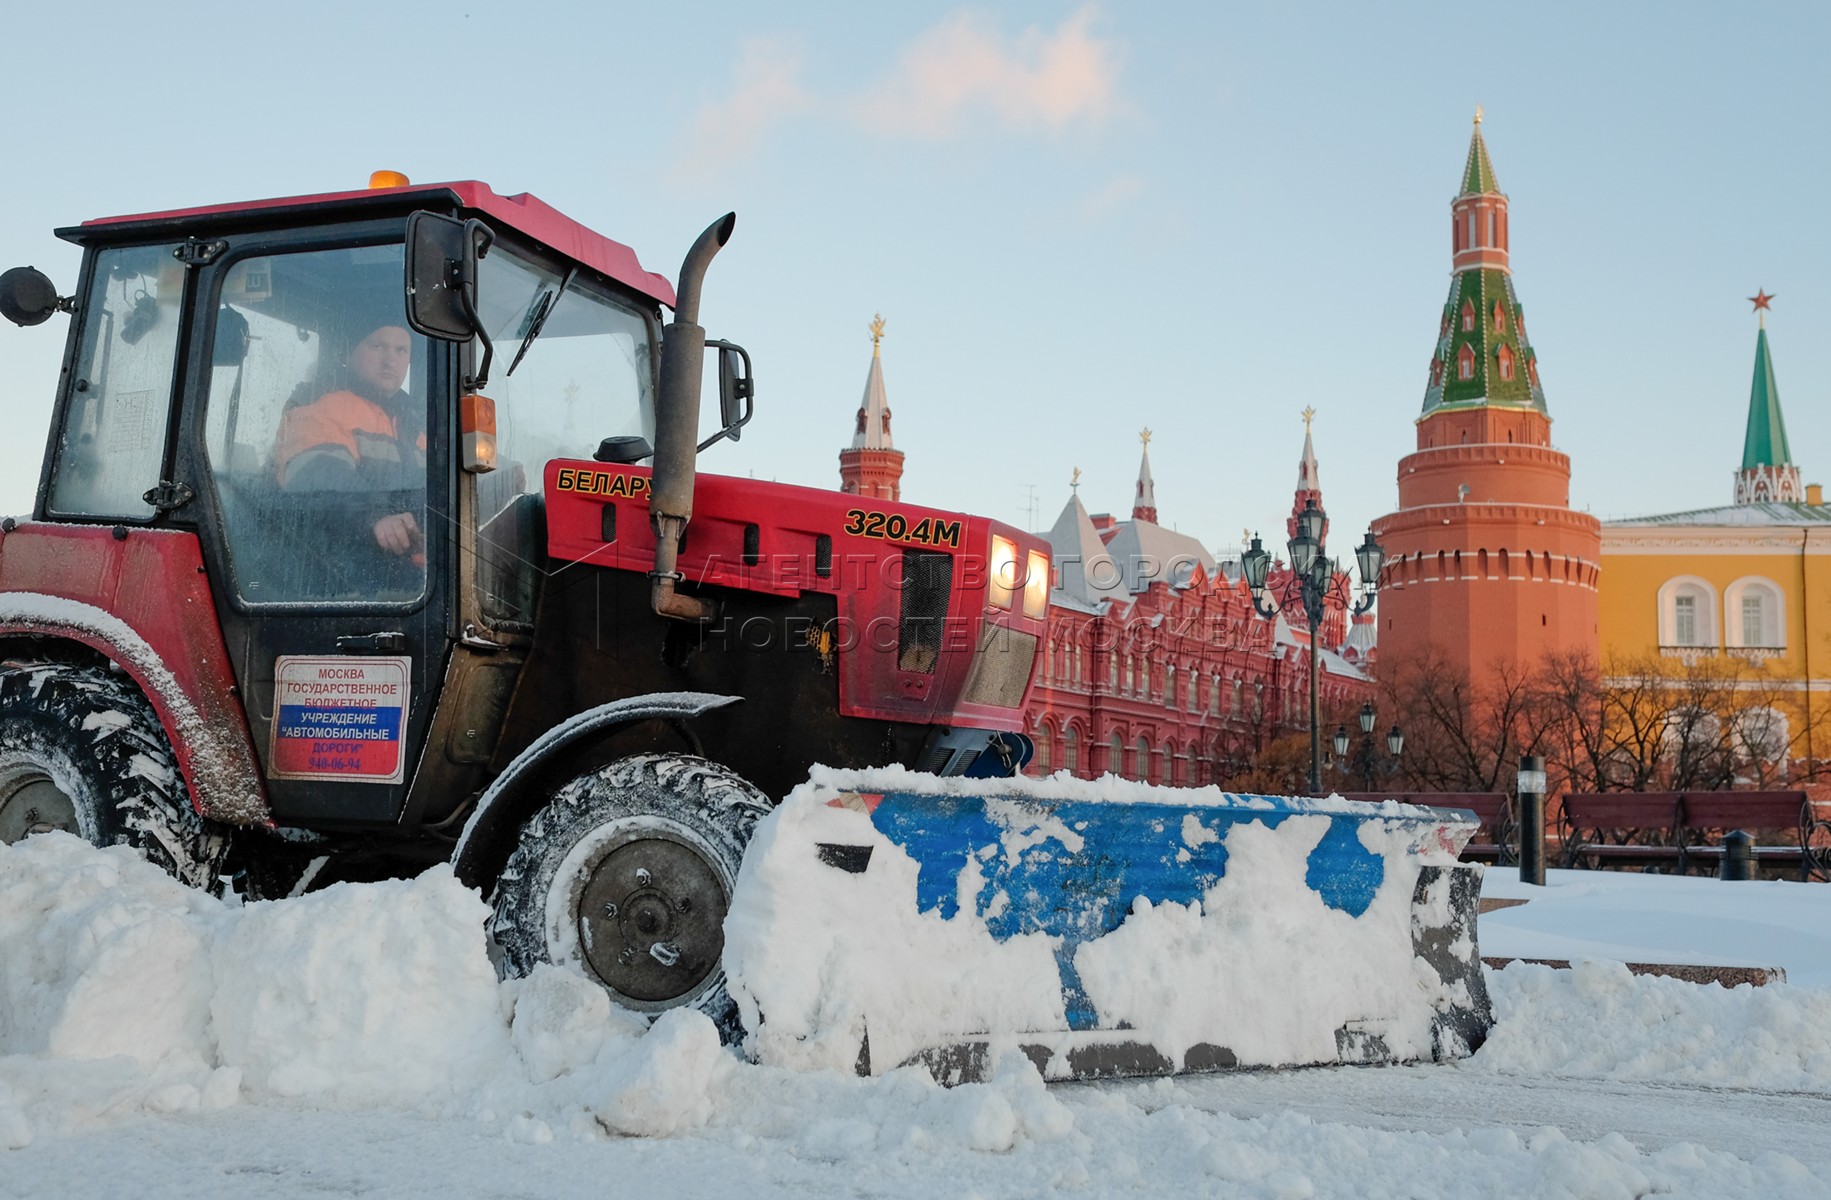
(683, 355)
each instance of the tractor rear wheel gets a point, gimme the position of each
(626, 876)
(82, 751)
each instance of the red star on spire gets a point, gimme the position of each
(1760, 300)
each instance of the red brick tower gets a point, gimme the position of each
(871, 465)
(1486, 564)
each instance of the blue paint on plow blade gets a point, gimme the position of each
(1126, 851)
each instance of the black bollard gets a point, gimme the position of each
(1738, 856)
(1532, 819)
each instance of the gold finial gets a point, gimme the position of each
(877, 332)
(1144, 436)
(1074, 483)
(1309, 414)
(1478, 114)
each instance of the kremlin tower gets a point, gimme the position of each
(1486, 563)
(1768, 472)
(871, 465)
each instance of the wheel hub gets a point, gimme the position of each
(652, 919)
(31, 803)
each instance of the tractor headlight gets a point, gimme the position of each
(1036, 584)
(1003, 567)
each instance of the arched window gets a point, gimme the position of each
(1503, 359)
(1468, 317)
(1045, 757)
(1116, 766)
(1141, 761)
(1499, 318)
(1071, 750)
(1465, 363)
(1112, 670)
(1687, 612)
(1755, 614)
(1169, 685)
(1166, 766)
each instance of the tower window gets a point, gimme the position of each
(1503, 358)
(1491, 240)
(1465, 364)
(1468, 317)
(1500, 318)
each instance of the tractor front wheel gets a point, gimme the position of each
(81, 751)
(626, 876)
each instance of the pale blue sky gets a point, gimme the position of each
(1077, 219)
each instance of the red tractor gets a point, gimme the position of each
(369, 535)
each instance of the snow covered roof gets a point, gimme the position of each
(1148, 553)
(1768, 513)
(1085, 572)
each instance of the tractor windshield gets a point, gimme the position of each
(574, 366)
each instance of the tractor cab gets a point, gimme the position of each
(369, 521)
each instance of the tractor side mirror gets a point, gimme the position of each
(737, 391)
(442, 254)
(28, 297)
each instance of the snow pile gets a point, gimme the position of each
(122, 991)
(831, 958)
(1598, 1020)
(362, 1027)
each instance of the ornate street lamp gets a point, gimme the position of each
(1366, 762)
(1314, 580)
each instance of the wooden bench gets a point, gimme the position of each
(1640, 829)
(1683, 831)
(1771, 818)
(1497, 841)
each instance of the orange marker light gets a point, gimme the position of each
(477, 421)
(387, 179)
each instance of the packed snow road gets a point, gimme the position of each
(1341, 1132)
(157, 1042)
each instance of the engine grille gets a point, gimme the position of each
(1001, 667)
(928, 581)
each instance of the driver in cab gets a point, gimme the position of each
(364, 436)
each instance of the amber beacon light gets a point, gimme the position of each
(387, 179)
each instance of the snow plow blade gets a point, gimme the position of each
(886, 919)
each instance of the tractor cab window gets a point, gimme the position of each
(112, 445)
(573, 366)
(316, 428)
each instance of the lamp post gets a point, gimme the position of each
(1365, 761)
(1313, 580)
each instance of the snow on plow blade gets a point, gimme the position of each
(884, 918)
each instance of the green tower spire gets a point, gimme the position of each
(1478, 175)
(1765, 443)
(1482, 356)
(1767, 473)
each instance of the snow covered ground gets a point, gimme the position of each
(155, 1042)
